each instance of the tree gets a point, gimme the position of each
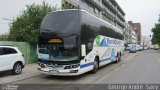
(4, 37)
(156, 33)
(26, 26)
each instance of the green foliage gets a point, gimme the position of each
(26, 26)
(156, 33)
(4, 37)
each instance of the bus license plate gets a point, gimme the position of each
(53, 72)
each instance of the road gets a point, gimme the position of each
(142, 67)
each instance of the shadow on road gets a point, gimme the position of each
(5, 74)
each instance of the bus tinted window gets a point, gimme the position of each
(110, 33)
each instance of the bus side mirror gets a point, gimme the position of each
(83, 50)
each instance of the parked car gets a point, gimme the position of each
(152, 47)
(133, 49)
(11, 59)
(129, 46)
(156, 47)
(139, 48)
(146, 47)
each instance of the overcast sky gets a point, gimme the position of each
(9, 9)
(144, 11)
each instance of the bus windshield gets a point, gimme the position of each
(59, 36)
(66, 50)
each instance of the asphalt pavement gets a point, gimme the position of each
(135, 68)
(144, 68)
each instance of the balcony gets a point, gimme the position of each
(112, 3)
(106, 3)
(108, 15)
(121, 17)
(108, 11)
(120, 23)
(92, 2)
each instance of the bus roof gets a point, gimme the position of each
(112, 26)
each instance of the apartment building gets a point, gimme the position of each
(108, 10)
(130, 35)
(133, 37)
(137, 28)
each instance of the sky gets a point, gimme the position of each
(9, 9)
(144, 11)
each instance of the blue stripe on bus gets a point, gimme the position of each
(91, 63)
(103, 60)
(86, 65)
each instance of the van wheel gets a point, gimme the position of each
(95, 66)
(17, 68)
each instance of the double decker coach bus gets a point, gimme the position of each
(72, 42)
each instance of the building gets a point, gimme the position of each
(134, 38)
(108, 10)
(137, 28)
(128, 33)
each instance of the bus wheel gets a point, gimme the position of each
(118, 58)
(95, 66)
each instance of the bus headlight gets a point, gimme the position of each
(75, 66)
(41, 65)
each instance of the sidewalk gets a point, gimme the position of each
(29, 71)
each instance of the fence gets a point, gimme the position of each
(29, 51)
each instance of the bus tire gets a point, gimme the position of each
(118, 57)
(95, 66)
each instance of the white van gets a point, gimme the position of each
(11, 59)
(156, 47)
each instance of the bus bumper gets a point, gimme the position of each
(48, 71)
